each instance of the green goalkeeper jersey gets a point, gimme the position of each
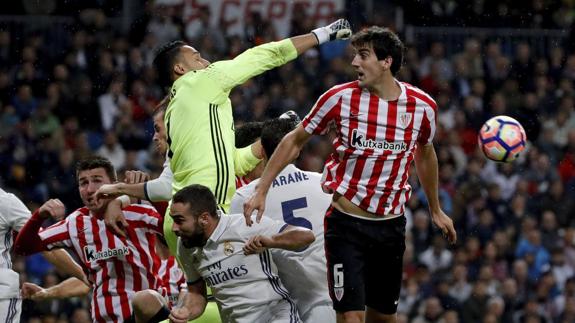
(200, 123)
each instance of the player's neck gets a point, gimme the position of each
(386, 89)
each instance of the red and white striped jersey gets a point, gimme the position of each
(374, 144)
(172, 278)
(116, 266)
(241, 181)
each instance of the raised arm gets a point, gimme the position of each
(28, 241)
(285, 153)
(261, 58)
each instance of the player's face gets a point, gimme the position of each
(160, 134)
(89, 181)
(186, 226)
(369, 69)
(191, 59)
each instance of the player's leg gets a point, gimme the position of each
(384, 270)
(322, 313)
(283, 311)
(345, 266)
(149, 306)
(10, 310)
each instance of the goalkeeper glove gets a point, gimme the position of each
(339, 29)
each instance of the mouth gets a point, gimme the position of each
(360, 75)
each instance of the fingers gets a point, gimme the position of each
(118, 229)
(253, 246)
(136, 177)
(52, 208)
(248, 213)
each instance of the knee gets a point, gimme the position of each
(146, 302)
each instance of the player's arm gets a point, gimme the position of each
(261, 58)
(427, 172)
(71, 287)
(193, 303)
(247, 158)
(28, 241)
(285, 153)
(292, 238)
(62, 260)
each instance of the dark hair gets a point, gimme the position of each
(161, 107)
(273, 132)
(94, 162)
(385, 43)
(164, 61)
(248, 133)
(199, 197)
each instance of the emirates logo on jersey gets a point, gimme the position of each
(91, 254)
(360, 142)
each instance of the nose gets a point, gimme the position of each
(355, 61)
(176, 229)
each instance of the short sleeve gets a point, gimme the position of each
(326, 109)
(428, 126)
(267, 227)
(185, 258)
(57, 235)
(15, 213)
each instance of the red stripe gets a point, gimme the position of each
(410, 108)
(391, 125)
(144, 257)
(320, 106)
(155, 282)
(57, 238)
(81, 227)
(106, 294)
(419, 94)
(120, 277)
(355, 107)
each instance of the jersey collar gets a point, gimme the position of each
(222, 225)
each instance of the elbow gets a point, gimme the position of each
(307, 238)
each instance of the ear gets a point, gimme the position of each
(386, 62)
(203, 218)
(179, 69)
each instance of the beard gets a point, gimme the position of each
(193, 240)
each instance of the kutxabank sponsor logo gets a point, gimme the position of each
(92, 254)
(360, 142)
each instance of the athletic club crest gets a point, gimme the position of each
(338, 292)
(405, 119)
(228, 248)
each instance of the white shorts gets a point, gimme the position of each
(10, 310)
(322, 313)
(275, 312)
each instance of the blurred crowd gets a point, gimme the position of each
(515, 256)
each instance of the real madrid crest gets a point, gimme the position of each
(228, 248)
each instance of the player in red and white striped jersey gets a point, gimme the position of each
(116, 267)
(381, 126)
(172, 278)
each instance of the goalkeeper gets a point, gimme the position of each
(199, 120)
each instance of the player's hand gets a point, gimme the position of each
(136, 177)
(256, 244)
(108, 191)
(52, 208)
(179, 315)
(33, 292)
(256, 202)
(339, 29)
(445, 224)
(114, 218)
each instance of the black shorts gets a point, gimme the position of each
(364, 261)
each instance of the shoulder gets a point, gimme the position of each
(141, 209)
(421, 96)
(246, 190)
(338, 89)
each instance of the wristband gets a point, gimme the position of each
(322, 34)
